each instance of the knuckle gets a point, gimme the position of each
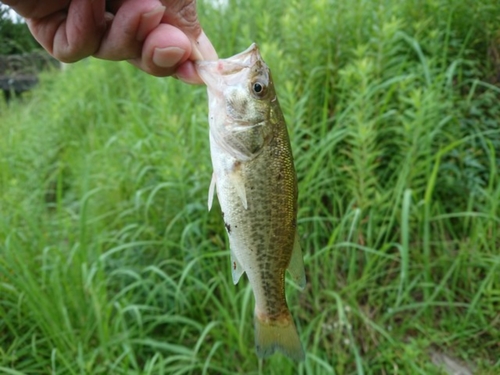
(70, 53)
(185, 16)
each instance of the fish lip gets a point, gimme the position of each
(208, 70)
(246, 58)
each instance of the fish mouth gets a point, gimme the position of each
(245, 59)
(209, 70)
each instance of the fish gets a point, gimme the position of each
(256, 185)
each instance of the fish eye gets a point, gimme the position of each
(258, 88)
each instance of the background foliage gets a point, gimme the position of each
(111, 264)
(15, 37)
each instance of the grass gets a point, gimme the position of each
(111, 264)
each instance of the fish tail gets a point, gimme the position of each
(281, 334)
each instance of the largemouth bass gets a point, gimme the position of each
(256, 186)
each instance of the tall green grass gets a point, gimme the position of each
(111, 264)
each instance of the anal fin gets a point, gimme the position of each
(296, 265)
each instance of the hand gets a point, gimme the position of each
(161, 37)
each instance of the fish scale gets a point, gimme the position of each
(256, 185)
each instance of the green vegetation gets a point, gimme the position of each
(15, 37)
(111, 264)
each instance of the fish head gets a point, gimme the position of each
(241, 96)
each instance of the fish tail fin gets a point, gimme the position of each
(272, 335)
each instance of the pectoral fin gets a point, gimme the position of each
(211, 192)
(238, 184)
(236, 269)
(296, 266)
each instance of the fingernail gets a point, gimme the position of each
(149, 21)
(205, 48)
(195, 52)
(168, 57)
(108, 17)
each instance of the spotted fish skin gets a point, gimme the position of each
(256, 185)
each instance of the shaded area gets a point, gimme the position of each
(19, 73)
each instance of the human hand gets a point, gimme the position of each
(161, 37)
